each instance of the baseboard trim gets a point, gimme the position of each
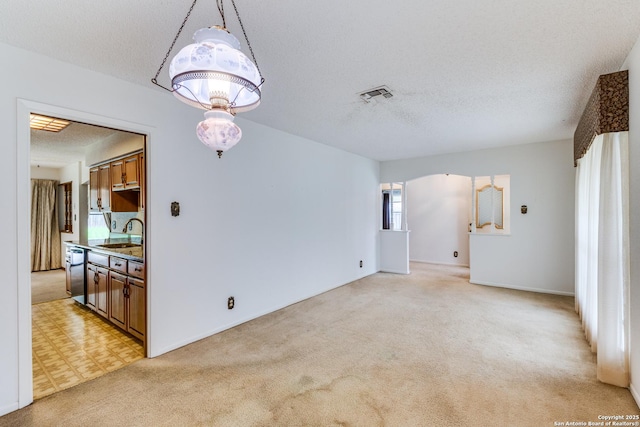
(522, 288)
(9, 408)
(246, 319)
(394, 271)
(438, 263)
(635, 394)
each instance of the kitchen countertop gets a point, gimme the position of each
(134, 253)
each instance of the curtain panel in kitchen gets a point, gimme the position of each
(45, 234)
(602, 254)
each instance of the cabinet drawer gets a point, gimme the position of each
(96, 269)
(99, 259)
(136, 269)
(118, 264)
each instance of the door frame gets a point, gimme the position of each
(23, 229)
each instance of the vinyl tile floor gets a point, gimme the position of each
(71, 345)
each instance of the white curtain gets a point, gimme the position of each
(602, 254)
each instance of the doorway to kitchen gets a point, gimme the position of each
(65, 341)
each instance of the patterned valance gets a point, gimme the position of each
(607, 111)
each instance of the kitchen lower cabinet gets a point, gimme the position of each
(97, 286)
(67, 271)
(91, 287)
(101, 288)
(136, 302)
(116, 290)
(118, 299)
(127, 296)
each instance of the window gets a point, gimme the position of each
(392, 203)
(492, 204)
(65, 208)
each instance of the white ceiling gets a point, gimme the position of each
(58, 149)
(465, 74)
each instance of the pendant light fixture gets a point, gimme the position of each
(214, 75)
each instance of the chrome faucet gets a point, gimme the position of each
(124, 230)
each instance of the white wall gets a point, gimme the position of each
(41, 172)
(117, 145)
(394, 251)
(276, 220)
(438, 215)
(633, 65)
(539, 253)
(72, 173)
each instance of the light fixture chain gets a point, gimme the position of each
(220, 4)
(175, 39)
(248, 43)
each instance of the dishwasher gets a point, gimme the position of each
(76, 272)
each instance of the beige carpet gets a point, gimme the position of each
(48, 286)
(427, 349)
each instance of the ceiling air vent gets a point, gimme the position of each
(377, 92)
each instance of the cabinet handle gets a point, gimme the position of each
(138, 269)
(117, 264)
(96, 279)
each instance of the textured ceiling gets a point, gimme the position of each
(465, 74)
(58, 149)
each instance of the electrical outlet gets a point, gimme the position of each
(231, 302)
(455, 254)
(360, 263)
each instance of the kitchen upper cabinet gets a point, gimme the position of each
(125, 173)
(102, 195)
(100, 188)
(117, 175)
(132, 172)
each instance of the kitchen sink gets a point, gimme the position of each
(120, 245)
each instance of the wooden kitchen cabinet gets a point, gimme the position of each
(102, 300)
(91, 287)
(102, 197)
(136, 306)
(125, 173)
(141, 172)
(100, 188)
(117, 185)
(117, 175)
(67, 271)
(97, 286)
(132, 172)
(127, 296)
(116, 290)
(118, 299)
